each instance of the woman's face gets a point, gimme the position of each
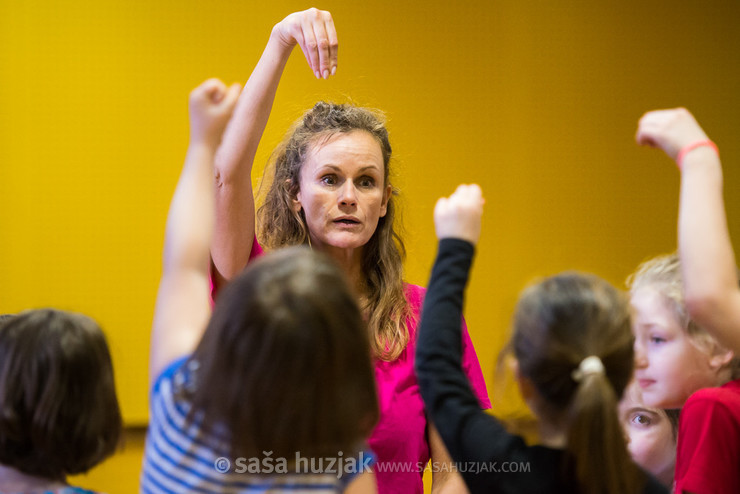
(650, 435)
(342, 191)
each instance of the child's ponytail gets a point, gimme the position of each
(601, 462)
(573, 341)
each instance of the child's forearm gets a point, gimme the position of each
(190, 220)
(708, 262)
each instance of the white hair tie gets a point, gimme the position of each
(589, 365)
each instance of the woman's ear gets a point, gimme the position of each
(386, 197)
(296, 198)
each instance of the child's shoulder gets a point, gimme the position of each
(724, 399)
(74, 490)
(64, 490)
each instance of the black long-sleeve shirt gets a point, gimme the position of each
(489, 458)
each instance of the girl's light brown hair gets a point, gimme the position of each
(280, 225)
(663, 274)
(557, 324)
(284, 364)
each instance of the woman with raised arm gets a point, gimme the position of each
(330, 189)
(252, 398)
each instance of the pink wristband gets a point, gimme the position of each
(689, 147)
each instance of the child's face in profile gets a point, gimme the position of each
(669, 367)
(650, 435)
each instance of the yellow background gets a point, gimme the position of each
(537, 101)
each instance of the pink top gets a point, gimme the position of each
(399, 440)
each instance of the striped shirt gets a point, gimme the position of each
(178, 459)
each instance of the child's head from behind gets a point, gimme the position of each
(673, 356)
(561, 321)
(651, 434)
(574, 347)
(59, 413)
(285, 361)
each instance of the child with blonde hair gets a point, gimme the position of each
(689, 314)
(674, 357)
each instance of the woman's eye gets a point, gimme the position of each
(329, 180)
(366, 182)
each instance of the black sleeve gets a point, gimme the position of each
(470, 434)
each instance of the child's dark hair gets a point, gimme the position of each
(559, 323)
(673, 415)
(284, 365)
(59, 413)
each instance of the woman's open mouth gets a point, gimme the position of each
(347, 221)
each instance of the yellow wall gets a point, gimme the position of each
(536, 101)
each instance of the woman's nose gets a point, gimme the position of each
(348, 194)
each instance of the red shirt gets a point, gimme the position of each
(708, 450)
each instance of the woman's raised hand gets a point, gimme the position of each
(313, 30)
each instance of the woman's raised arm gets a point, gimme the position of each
(313, 30)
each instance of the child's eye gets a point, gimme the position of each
(656, 340)
(641, 419)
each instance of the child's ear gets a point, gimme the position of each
(526, 388)
(720, 358)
